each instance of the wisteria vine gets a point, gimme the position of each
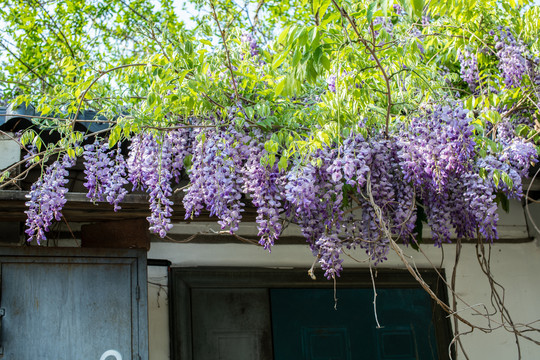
(443, 161)
(431, 162)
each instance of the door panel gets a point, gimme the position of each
(326, 343)
(231, 324)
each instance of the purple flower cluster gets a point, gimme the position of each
(385, 23)
(262, 183)
(330, 248)
(302, 192)
(469, 68)
(152, 164)
(355, 193)
(331, 83)
(437, 146)
(47, 198)
(417, 34)
(387, 191)
(315, 194)
(250, 40)
(398, 9)
(181, 143)
(215, 176)
(352, 162)
(517, 152)
(505, 168)
(403, 213)
(374, 240)
(436, 151)
(314, 200)
(479, 199)
(512, 62)
(105, 173)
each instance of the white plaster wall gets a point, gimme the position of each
(158, 313)
(514, 266)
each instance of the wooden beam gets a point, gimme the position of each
(81, 209)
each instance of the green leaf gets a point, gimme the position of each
(296, 58)
(283, 163)
(384, 6)
(324, 6)
(483, 173)
(315, 6)
(205, 42)
(278, 60)
(418, 7)
(496, 178)
(283, 35)
(315, 39)
(280, 86)
(507, 180)
(325, 62)
(370, 11)
(502, 200)
(151, 99)
(4, 176)
(271, 147)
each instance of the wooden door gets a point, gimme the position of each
(67, 304)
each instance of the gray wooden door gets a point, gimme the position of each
(73, 304)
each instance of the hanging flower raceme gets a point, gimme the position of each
(329, 251)
(153, 162)
(437, 149)
(105, 173)
(469, 68)
(312, 199)
(215, 176)
(512, 62)
(437, 146)
(262, 183)
(47, 198)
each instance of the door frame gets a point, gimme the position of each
(183, 279)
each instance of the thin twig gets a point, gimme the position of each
(101, 74)
(25, 64)
(373, 53)
(223, 37)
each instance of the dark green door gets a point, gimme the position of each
(306, 326)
